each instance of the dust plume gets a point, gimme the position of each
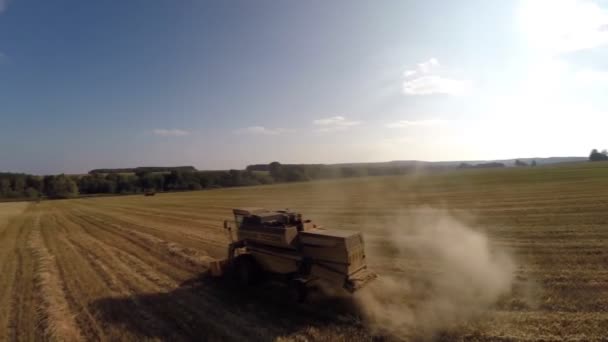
(435, 272)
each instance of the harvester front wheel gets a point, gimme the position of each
(246, 270)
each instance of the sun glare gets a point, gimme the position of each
(563, 25)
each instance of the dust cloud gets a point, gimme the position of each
(435, 273)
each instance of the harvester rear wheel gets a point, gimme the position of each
(246, 270)
(298, 291)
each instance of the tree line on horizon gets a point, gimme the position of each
(145, 179)
(23, 186)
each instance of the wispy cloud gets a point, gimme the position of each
(427, 85)
(334, 123)
(425, 80)
(261, 130)
(170, 132)
(416, 123)
(3, 5)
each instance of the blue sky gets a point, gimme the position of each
(222, 84)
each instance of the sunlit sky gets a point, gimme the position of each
(224, 84)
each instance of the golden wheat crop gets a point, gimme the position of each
(132, 267)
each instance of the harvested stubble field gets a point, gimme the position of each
(129, 268)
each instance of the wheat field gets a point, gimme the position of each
(133, 267)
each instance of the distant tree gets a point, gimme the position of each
(276, 171)
(190, 181)
(144, 169)
(235, 177)
(204, 179)
(5, 186)
(258, 167)
(19, 184)
(158, 180)
(598, 156)
(126, 184)
(295, 174)
(173, 181)
(34, 182)
(61, 187)
(520, 163)
(349, 171)
(176, 180)
(262, 177)
(488, 165)
(107, 186)
(32, 193)
(533, 163)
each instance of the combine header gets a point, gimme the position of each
(301, 253)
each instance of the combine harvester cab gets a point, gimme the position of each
(281, 243)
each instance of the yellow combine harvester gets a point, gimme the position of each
(281, 243)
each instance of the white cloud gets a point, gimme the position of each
(170, 132)
(561, 26)
(423, 68)
(432, 84)
(425, 81)
(426, 67)
(416, 123)
(261, 130)
(334, 123)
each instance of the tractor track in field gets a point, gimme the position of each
(128, 279)
(124, 256)
(156, 246)
(21, 310)
(53, 310)
(18, 299)
(129, 274)
(87, 324)
(182, 232)
(8, 269)
(120, 284)
(17, 320)
(120, 275)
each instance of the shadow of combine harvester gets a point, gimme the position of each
(206, 308)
